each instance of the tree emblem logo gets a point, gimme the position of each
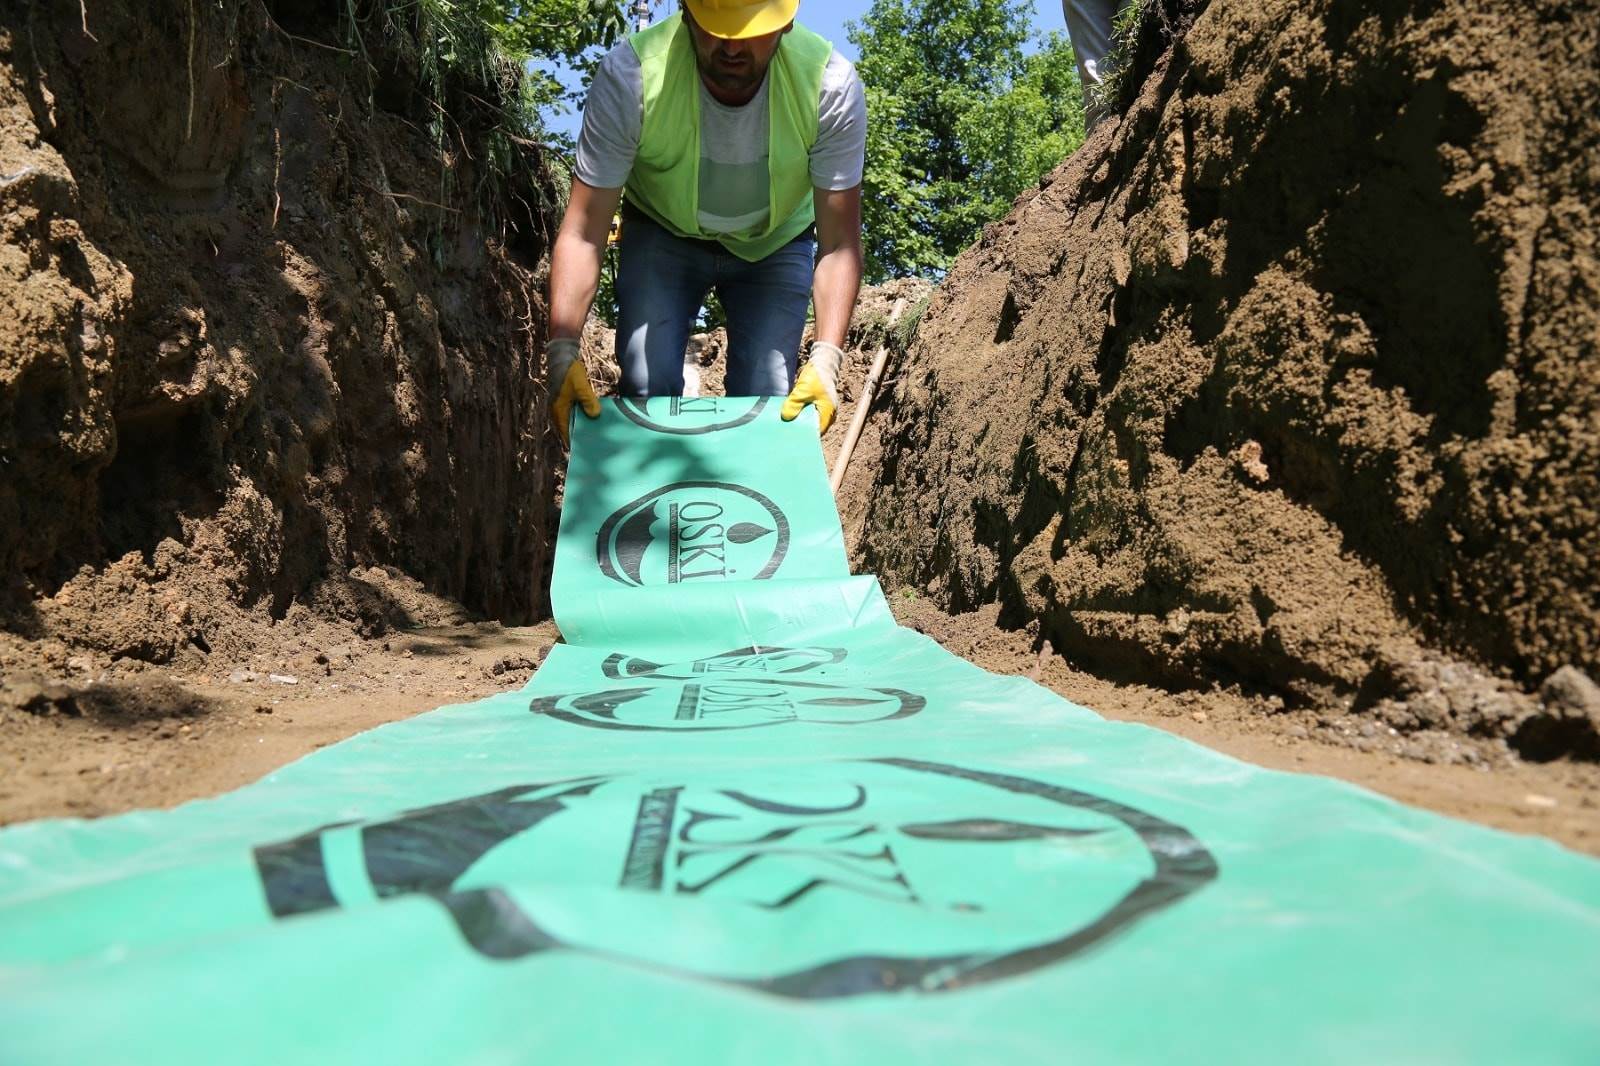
(693, 531)
(756, 659)
(902, 876)
(714, 703)
(694, 415)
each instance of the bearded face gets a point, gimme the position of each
(732, 68)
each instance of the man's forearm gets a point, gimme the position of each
(574, 278)
(833, 291)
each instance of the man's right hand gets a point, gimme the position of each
(574, 277)
(568, 381)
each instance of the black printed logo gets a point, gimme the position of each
(809, 881)
(694, 415)
(694, 531)
(757, 659)
(728, 703)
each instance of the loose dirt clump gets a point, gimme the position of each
(1289, 380)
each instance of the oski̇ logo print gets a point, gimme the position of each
(756, 659)
(903, 876)
(713, 703)
(693, 531)
(694, 415)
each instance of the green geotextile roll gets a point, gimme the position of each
(743, 817)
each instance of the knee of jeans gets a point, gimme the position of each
(632, 387)
(649, 367)
(762, 369)
(778, 379)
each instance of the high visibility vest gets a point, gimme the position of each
(665, 180)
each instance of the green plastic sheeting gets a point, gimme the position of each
(742, 817)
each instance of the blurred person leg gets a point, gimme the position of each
(1089, 24)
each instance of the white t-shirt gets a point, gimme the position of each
(734, 185)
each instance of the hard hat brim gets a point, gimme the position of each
(755, 20)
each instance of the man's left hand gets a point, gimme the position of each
(817, 384)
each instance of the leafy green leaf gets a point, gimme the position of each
(961, 118)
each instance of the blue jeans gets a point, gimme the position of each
(662, 280)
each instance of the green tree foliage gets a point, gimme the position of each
(544, 31)
(961, 118)
(482, 71)
(510, 44)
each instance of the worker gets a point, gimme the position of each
(1091, 25)
(734, 139)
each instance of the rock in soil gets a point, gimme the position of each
(1569, 693)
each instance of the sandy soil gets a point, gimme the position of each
(1486, 784)
(158, 739)
(89, 736)
(1288, 377)
(246, 353)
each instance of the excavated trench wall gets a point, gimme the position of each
(253, 335)
(1289, 378)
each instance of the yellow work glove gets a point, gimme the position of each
(568, 381)
(817, 384)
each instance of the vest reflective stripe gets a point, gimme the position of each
(665, 180)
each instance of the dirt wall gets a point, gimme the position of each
(255, 334)
(1288, 379)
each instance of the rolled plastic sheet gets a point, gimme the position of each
(741, 816)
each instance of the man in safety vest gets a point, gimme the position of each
(734, 140)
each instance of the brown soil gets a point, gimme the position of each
(243, 346)
(869, 331)
(88, 747)
(1478, 781)
(262, 356)
(96, 744)
(1289, 380)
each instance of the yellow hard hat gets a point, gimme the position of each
(742, 18)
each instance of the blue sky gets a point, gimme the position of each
(826, 17)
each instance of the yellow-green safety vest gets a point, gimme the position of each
(665, 180)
